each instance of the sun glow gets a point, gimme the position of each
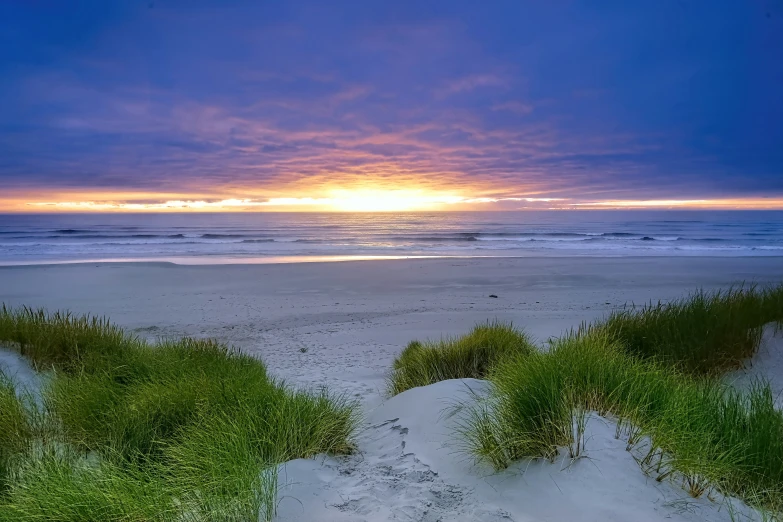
(352, 199)
(347, 201)
(336, 200)
(366, 200)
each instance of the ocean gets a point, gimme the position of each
(299, 237)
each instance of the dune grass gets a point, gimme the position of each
(181, 430)
(706, 333)
(54, 482)
(654, 370)
(701, 431)
(16, 429)
(192, 430)
(472, 355)
(63, 340)
(132, 409)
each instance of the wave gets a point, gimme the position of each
(473, 236)
(478, 236)
(431, 239)
(662, 238)
(222, 236)
(96, 246)
(527, 234)
(441, 234)
(538, 236)
(166, 236)
(107, 236)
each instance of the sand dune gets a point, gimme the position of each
(765, 366)
(411, 466)
(353, 318)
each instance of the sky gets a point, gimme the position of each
(365, 105)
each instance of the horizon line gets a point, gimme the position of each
(370, 201)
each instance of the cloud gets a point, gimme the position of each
(471, 83)
(513, 106)
(340, 201)
(295, 101)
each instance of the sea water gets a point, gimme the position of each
(296, 237)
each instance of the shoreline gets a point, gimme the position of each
(196, 261)
(314, 260)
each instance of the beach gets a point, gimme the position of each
(341, 324)
(354, 317)
(391, 262)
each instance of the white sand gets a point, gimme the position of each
(354, 317)
(412, 468)
(766, 366)
(16, 367)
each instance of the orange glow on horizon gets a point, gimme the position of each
(361, 199)
(712, 204)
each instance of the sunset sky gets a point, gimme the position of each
(177, 105)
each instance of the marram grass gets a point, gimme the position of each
(706, 333)
(655, 370)
(16, 429)
(713, 436)
(470, 356)
(182, 430)
(63, 340)
(54, 482)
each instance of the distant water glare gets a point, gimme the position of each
(288, 237)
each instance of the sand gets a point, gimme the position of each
(15, 367)
(341, 324)
(411, 468)
(765, 367)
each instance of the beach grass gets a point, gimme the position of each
(191, 429)
(16, 429)
(698, 430)
(55, 482)
(772, 305)
(180, 430)
(63, 340)
(706, 333)
(655, 370)
(469, 356)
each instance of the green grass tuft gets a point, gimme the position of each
(63, 340)
(56, 483)
(130, 408)
(473, 355)
(16, 428)
(706, 333)
(712, 435)
(181, 430)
